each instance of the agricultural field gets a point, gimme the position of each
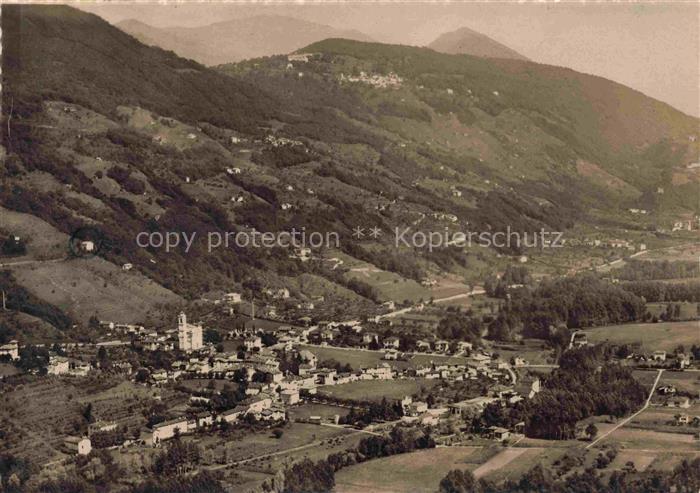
(306, 410)
(633, 438)
(684, 381)
(686, 252)
(427, 468)
(687, 310)
(42, 240)
(665, 336)
(376, 390)
(358, 358)
(87, 286)
(533, 351)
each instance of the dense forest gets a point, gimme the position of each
(644, 270)
(575, 302)
(657, 291)
(584, 385)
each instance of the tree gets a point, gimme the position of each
(87, 413)
(459, 481)
(591, 431)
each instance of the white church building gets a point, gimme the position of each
(189, 336)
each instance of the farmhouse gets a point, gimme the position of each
(232, 298)
(78, 445)
(578, 339)
(659, 356)
(498, 433)
(667, 390)
(680, 402)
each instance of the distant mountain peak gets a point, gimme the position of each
(233, 40)
(468, 42)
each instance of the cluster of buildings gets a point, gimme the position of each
(375, 80)
(275, 141)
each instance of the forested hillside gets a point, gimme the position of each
(102, 130)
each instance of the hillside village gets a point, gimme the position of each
(144, 349)
(274, 377)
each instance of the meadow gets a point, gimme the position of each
(664, 336)
(376, 390)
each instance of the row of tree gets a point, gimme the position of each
(684, 478)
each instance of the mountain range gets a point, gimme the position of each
(237, 39)
(101, 130)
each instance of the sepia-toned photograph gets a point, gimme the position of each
(350, 247)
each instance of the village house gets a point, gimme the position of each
(682, 360)
(370, 337)
(168, 429)
(391, 343)
(290, 397)
(391, 355)
(463, 346)
(308, 357)
(252, 342)
(381, 372)
(442, 346)
(423, 346)
(326, 377)
(58, 365)
(470, 407)
(257, 404)
(11, 349)
(232, 415)
(417, 408)
(273, 414)
(682, 419)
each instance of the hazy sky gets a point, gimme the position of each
(654, 48)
